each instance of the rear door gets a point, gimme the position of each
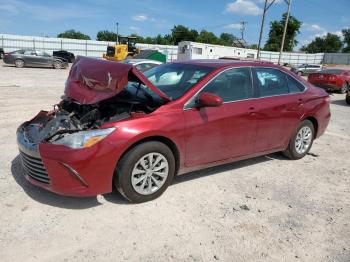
(280, 107)
(227, 131)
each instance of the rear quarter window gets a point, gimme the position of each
(294, 85)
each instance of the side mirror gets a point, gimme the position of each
(207, 99)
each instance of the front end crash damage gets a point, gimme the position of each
(97, 93)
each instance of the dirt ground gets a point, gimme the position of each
(264, 209)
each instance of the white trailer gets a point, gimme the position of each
(193, 50)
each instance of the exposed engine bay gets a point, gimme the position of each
(70, 116)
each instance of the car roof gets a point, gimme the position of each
(220, 63)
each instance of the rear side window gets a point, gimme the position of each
(294, 85)
(270, 82)
(231, 85)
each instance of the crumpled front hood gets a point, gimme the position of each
(92, 80)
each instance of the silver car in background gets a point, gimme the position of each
(306, 69)
(35, 58)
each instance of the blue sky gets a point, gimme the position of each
(150, 17)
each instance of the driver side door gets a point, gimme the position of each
(227, 131)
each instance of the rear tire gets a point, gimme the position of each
(347, 98)
(301, 141)
(145, 172)
(57, 65)
(19, 63)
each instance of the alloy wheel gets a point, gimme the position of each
(303, 140)
(149, 173)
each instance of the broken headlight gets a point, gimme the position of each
(84, 139)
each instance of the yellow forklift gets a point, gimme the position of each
(126, 48)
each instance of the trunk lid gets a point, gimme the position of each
(92, 80)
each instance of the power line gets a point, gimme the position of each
(289, 2)
(266, 7)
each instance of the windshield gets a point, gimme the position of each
(176, 79)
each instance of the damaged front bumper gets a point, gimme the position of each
(63, 170)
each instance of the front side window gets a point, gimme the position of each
(270, 82)
(231, 85)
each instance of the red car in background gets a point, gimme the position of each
(331, 80)
(118, 126)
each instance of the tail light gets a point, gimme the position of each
(331, 78)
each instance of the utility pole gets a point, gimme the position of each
(243, 24)
(289, 2)
(117, 32)
(266, 7)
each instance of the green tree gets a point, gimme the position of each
(73, 35)
(346, 34)
(330, 43)
(207, 37)
(253, 46)
(181, 33)
(276, 32)
(106, 36)
(226, 39)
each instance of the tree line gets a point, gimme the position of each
(323, 44)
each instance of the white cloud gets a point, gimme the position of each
(233, 26)
(243, 7)
(139, 17)
(313, 27)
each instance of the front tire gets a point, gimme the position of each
(299, 73)
(145, 171)
(57, 65)
(301, 141)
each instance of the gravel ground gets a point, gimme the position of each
(263, 209)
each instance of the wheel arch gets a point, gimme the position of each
(165, 140)
(314, 121)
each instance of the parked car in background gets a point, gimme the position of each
(2, 53)
(306, 69)
(142, 64)
(119, 126)
(35, 58)
(70, 57)
(331, 80)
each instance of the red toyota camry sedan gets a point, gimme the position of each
(137, 131)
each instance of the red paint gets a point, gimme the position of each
(203, 136)
(92, 80)
(330, 81)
